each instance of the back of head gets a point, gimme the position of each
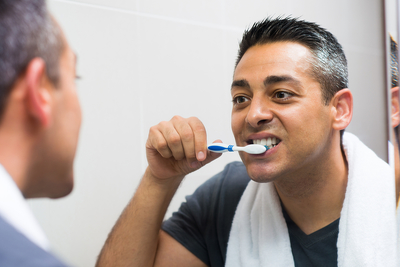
(329, 65)
(26, 31)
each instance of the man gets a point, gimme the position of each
(279, 208)
(395, 111)
(39, 126)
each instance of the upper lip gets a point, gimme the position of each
(259, 136)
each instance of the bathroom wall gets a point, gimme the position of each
(144, 61)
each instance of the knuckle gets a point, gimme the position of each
(187, 135)
(163, 124)
(199, 129)
(153, 129)
(174, 139)
(176, 118)
(162, 145)
(196, 124)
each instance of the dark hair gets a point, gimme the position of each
(329, 65)
(394, 70)
(394, 63)
(26, 31)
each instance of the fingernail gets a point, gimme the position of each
(200, 155)
(195, 164)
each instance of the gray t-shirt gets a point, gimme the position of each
(203, 223)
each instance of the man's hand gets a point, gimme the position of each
(174, 149)
(177, 147)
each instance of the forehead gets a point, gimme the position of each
(278, 58)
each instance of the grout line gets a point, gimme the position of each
(166, 18)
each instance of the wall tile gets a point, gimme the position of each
(181, 73)
(206, 11)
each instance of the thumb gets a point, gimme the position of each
(211, 156)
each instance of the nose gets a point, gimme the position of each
(259, 112)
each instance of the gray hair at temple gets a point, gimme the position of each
(27, 31)
(394, 62)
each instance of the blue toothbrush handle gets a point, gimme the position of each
(220, 148)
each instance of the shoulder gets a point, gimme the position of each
(18, 250)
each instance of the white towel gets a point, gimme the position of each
(367, 226)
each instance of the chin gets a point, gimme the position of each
(62, 192)
(62, 188)
(260, 174)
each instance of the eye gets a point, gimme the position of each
(240, 99)
(282, 95)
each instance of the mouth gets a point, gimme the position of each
(270, 141)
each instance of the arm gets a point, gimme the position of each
(174, 149)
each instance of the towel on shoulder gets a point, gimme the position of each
(367, 227)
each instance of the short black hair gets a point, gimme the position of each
(394, 70)
(394, 63)
(26, 31)
(329, 64)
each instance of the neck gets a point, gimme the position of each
(16, 142)
(314, 198)
(14, 160)
(397, 170)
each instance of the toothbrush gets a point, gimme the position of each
(251, 149)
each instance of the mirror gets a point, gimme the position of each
(392, 87)
(147, 58)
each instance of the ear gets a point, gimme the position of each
(395, 116)
(342, 109)
(37, 94)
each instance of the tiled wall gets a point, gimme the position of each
(143, 61)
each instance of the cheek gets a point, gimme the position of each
(308, 124)
(75, 107)
(303, 118)
(237, 122)
(78, 111)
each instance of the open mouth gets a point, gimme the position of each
(270, 142)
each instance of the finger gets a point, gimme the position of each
(187, 137)
(200, 138)
(173, 138)
(157, 141)
(211, 156)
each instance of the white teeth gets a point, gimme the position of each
(271, 141)
(263, 142)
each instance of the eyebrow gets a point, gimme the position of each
(277, 79)
(240, 83)
(267, 81)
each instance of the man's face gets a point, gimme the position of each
(59, 143)
(276, 100)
